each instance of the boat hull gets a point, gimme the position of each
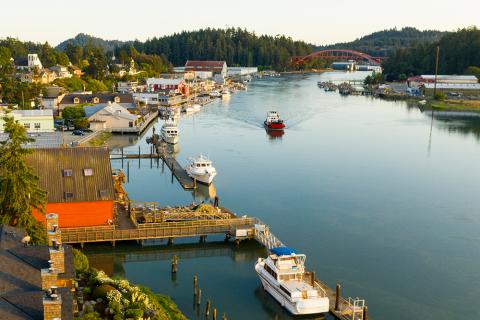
(307, 307)
(205, 179)
(274, 126)
(171, 140)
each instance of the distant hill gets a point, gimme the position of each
(382, 43)
(82, 39)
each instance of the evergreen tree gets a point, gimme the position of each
(19, 190)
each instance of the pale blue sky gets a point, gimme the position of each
(319, 21)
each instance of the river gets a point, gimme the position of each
(381, 197)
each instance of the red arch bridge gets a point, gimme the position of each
(338, 54)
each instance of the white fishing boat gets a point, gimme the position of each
(201, 169)
(283, 275)
(170, 132)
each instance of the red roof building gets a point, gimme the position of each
(216, 67)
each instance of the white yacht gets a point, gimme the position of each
(215, 94)
(170, 132)
(283, 275)
(201, 168)
(225, 93)
(192, 108)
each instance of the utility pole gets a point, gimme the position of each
(436, 72)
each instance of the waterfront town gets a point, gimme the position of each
(189, 176)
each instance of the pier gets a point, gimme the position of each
(175, 167)
(146, 221)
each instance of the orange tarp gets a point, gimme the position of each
(80, 214)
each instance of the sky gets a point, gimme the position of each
(318, 22)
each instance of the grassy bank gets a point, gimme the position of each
(456, 105)
(100, 140)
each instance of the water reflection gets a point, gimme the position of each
(204, 193)
(275, 134)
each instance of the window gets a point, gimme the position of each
(37, 125)
(68, 195)
(76, 100)
(95, 100)
(67, 172)
(88, 172)
(26, 125)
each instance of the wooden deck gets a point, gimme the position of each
(153, 231)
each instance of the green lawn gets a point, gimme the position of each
(453, 105)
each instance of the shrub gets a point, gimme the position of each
(80, 261)
(440, 96)
(134, 313)
(102, 291)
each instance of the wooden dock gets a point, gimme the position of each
(178, 171)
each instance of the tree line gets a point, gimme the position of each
(459, 54)
(238, 47)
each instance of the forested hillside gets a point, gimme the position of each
(236, 46)
(382, 43)
(459, 54)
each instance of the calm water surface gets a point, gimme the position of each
(380, 197)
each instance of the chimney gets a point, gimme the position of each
(49, 277)
(57, 257)
(52, 304)
(53, 232)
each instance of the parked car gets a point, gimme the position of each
(78, 133)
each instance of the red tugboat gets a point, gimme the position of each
(273, 122)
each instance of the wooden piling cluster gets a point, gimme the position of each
(197, 301)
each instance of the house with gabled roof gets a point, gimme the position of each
(79, 184)
(110, 117)
(214, 67)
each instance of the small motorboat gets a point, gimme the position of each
(283, 275)
(169, 131)
(273, 121)
(201, 169)
(215, 94)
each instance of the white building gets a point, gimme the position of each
(32, 120)
(34, 61)
(241, 71)
(147, 97)
(110, 117)
(61, 71)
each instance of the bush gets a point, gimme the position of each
(440, 96)
(134, 313)
(81, 123)
(93, 315)
(101, 291)
(75, 112)
(80, 261)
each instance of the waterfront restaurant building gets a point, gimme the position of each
(79, 183)
(206, 67)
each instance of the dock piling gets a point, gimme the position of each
(195, 285)
(199, 297)
(337, 297)
(365, 313)
(174, 263)
(214, 315)
(224, 317)
(207, 309)
(312, 280)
